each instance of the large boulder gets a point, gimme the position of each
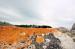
(72, 31)
(73, 27)
(54, 43)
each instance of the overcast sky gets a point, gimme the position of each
(55, 13)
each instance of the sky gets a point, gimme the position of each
(56, 13)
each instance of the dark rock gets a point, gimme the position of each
(74, 40)
(54, 46)
(49, 36)
(55, 43)
(73, 27)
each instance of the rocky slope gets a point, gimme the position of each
(12, 37)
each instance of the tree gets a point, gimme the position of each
(4, 23)
(34, 26)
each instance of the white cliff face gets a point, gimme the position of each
(66, 41)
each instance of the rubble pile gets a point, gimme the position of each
(47, 41)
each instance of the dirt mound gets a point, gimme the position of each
(12, 33)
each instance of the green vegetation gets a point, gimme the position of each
(4, 23)
(25, 26)
(34, 26)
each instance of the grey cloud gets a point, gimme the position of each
(56, 11)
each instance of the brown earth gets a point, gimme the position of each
(11, 34)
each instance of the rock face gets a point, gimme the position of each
(72, 32)
(54, 43)
(73, 27)
(63, 29)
